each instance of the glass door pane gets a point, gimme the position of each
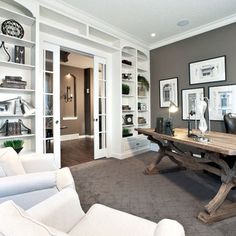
(51, 106)
(102, 105)
(48, 141)
(100, 108)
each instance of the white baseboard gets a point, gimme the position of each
(68, 137)
(130, 153)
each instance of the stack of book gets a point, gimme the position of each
(13, 82)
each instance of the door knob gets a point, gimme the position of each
(95, 119)
(56, 121)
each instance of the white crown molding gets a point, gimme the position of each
(93, 21)
(193, 32)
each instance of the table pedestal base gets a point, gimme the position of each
(214, 210)
(224, 212)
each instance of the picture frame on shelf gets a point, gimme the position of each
(142, 106)
(190, 100)
(207, 71)
(7, 108)
(19, 56)
(222, 101)
(168, 91)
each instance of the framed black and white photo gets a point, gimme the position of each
(222, 101)
(190, 103)
(168, 92)
(207, 71)
(7, 108)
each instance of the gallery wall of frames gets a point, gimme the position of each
(195, 69)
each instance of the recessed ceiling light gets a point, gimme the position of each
(183, 23)
(153, 35)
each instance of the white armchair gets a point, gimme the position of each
(13, 164)
(62, 215)
(28, 180)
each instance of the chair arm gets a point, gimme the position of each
(37, 163)
(18, 184)
(61, 211)
(64, 179)
(167, 227)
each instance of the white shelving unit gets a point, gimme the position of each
(128, 100)
(26, 71)
(143, 95)
(136, 104)
(138, 99)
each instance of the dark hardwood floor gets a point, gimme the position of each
(76, 151)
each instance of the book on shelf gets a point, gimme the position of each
(10, 85)
(13, 78)
(13, 82)
(21, 82)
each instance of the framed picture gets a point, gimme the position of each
(7, 108)
(190, 101)
(222, 101)
(168, 92)
(207, 71)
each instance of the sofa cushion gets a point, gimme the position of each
(105, 221)
(10, 162)
(14, 221)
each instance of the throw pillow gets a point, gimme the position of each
(10, 162)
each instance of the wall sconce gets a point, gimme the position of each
(68, 95)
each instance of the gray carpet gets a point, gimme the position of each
(180, 195)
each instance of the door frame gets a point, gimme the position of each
(80, 48)
(46, 46)
(99, 152)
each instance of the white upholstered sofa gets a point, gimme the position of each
(28, 180)
(62, 215)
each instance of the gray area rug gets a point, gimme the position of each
(122, 185)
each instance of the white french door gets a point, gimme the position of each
(51, 104)
(100, 108)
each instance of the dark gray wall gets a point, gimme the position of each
(172, 61)
(88, 101)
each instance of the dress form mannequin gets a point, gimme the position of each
(202, 123)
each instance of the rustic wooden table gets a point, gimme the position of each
(219, 147)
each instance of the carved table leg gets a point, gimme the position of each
(152, 168)
(216, 202)
(214, 211)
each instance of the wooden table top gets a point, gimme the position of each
(219, 142)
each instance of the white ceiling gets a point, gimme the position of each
(140, 18)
